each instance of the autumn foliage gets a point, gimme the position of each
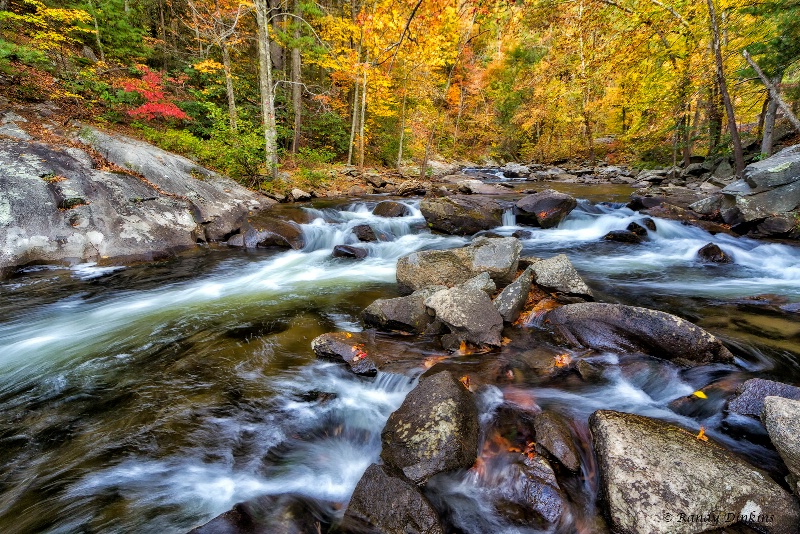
(158, 103)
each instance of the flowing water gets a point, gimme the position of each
(152, 398)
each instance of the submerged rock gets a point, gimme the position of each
(623, 236)
(749, 398)
(365, 233)
(653, 474)
(638, 229)
(615, 327)
(553, 435)
(713, 254)
(469, 315)
(402, 313)
(782, 418)
(461, 215)
(497, 256)
(344, 348)
(389, 208)
(434, 430)
(546, 208)
(347, 251)
(388, 502)
(558, 274)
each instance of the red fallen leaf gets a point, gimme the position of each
(433, 360)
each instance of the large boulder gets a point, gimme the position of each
(434, 430)
(770, 187)
(782, 419)
(546, 208)
(615, 327)
(497, 256)
(385, 501)
(511, 300)
(265, 231)
(348, 251)
(461, 215)
(402, 313)
(56, 206)
(469, 315)
(390, 208)
(553, 435)
(558, 274)
(750, 395)
(659, 478)
(711, 253)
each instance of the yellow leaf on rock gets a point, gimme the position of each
(700, 395)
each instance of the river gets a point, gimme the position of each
(152, 398)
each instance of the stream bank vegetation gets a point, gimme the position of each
(262, 90)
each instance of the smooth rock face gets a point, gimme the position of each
(782, 418)
(461, 215)
(434, 430)
(56, 207)
(497, 256)
(389, 208)
(713, 254)
(365, 233)
(511, 300)
(779, 169)
(615, 327)
(558, 274)
(652, 472)
(749, 399)
(402, 313)
(546, 208)
(469, 315)
(387, 502)
(264, 231)
(552, 434)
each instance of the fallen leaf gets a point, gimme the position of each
(700, 395)
(562, 360)
(702, 434)
(465, 381)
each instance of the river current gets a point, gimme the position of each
(152, 398)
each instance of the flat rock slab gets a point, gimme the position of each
(660, 478)
(615, 327)
(749, 399)
(434, 430)
(782, 418)
(388, 502)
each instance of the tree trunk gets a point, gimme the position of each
(458, 116)
(354, 121)
(96, 29)
(769, 127)
(362, 118)
(297, 93)
(163, 33)
(738, 155)
(714, 118)
(226, 62)
(402, 128)
(773, 92)
(265, 86)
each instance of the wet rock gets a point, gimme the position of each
(524, 489)
(389, 208)
(515, 170)
(546, 208)
(637, 229)
(558, 274)
(476, 187)
(461, 215)
(650, 469)
(412, 187)
(782, 418)
(713, 254)
(615, 327)
(271, 232)
(498, 257)
(346, 251)
(779, 226)
(469, 315)
(434, 430)
(344, 348)
(649, 223)
(365, 233)
(707, 206)
(402, 313)
(387, 502)
(298, 195)
(749, 399)
(623, 236)
(281, 514)
(511, 300)
(553, 435)
(522, 234)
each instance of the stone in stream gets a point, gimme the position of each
(623, 236)
(387, 502)
(782, 418)
(461, 214)
(558, 274)
(402, 313)
(637, 229)
(365, 233)
(553, 435)
(615, 327)
(269, 232)
(522, 234)
(281, 514)
(345, 348)
(497, 256)
(476, 187)
(434, 430)
(749, 398)
(298, 195)
(511, 300)
(653, 473)
(390, 208)
(713, 254)
(469, 314)
(546, 208)
(412, 187)
(347, 251)
(482, 282)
